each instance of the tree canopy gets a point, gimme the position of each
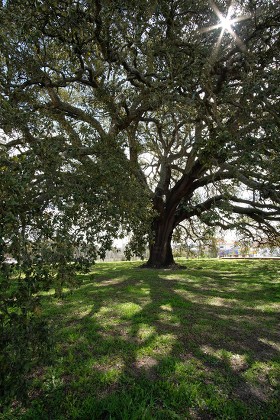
(109, 106)
(127, 117)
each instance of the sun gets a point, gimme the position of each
(226, 23)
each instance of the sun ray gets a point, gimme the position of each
(241, 18)
(218, 43)
(238, 40)
(216, 10)
(209, 28)
(226, 24)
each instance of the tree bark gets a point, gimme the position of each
(163, 225)
(160, 249)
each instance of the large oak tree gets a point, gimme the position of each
(119, 101)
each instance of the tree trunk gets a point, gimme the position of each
(164, 224)
(160, 249)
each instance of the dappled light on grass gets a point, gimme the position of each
(128, 309)
(146, 363)
(167, 307)
(237, 362)
(157, 345)
(116, 312)
(109, 368)
(169, 318)
(274, 344)
(202, 342)
(145, 332)
(217, 301)
(82, 313)
(109, 282)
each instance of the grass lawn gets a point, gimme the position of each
(196, 343)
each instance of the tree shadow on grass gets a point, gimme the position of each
(146, 344)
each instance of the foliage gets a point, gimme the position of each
(25, 342)
(153, 99)
(132, 118)
(51, 236)
(60, 208)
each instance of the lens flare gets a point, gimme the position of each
(226, 23)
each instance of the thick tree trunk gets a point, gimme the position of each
(164, 224)
(160, 249)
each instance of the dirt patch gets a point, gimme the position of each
(145, 365)
(146, 362)
(238, 363)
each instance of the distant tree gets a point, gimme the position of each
(118, 101)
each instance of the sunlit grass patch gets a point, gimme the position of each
(169, 318)
(145, 331)
(128, 309)
(264, 373)
(268, 307)
(272, 343)
(234, 361)
(157, 345)
(217, 301)
(263, 378)
(138, 291)
(188, 295)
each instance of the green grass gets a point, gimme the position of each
(196, 343)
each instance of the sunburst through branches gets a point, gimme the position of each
(226, 24)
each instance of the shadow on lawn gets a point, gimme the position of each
(191, 344)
